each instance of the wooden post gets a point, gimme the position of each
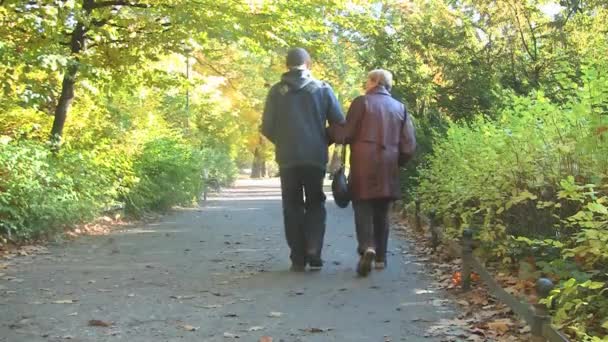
(544, 286)
(467, 254)
(418, 221)
(432, 227)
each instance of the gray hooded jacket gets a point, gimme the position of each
(295, 118)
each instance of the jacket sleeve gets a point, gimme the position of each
(268, 118)
(407, 141)
(345, 132)
(334, 111)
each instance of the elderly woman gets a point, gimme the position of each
(381, 137)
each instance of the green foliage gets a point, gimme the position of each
(169, 173)
(538, 173)
(42, 192)
(581, 308)
(218, 168)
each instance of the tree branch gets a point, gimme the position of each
(521, 32)
(102, 4)
(532, 33)
(219, 72)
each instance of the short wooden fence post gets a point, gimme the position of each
(541, 314)
(432, 227)
(418, 220)
(467, 254)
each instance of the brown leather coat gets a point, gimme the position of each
(381, 137)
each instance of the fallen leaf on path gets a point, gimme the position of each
(500, 326)
(188, 327)
(65, 301)
(439, 302)
(112, 333)
(73, 314)
(231, 335)
(20, 324)
(182, 297)
(317, 330)
(476, 338)
(212, 306)
(463, 302)
(525, 330)
(420, 320)
(231, 315)
(419, 291)
(296, 293)
(275, 314)
(99, 323)
(3, 266)
(265, 339)
(449, 326)
(256, 329)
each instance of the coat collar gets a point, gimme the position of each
(379, 90)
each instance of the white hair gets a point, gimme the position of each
(382, 77)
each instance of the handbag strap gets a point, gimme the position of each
(343, 155)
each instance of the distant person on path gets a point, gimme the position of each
(381, 137)
(296, 114)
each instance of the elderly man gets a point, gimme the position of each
(296, 114)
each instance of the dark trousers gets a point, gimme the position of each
(371, 220)
(303, 211)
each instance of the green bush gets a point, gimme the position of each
(168, 172)
(41, 192)
(535, 182)
(218, 168)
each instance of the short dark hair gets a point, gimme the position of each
(297, 57)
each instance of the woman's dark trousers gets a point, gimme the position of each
(372, 223)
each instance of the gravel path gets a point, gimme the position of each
(219, 270)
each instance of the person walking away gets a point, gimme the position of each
(382, 138)
(295, 117)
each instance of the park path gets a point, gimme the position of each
(219, 270)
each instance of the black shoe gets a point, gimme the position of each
(365, 262)
(315, 264)
(297, 268)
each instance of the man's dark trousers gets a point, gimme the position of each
(304, 212)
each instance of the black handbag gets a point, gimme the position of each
(339, 183)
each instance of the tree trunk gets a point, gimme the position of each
(258, 167)
(77, 45)
(65, 100)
